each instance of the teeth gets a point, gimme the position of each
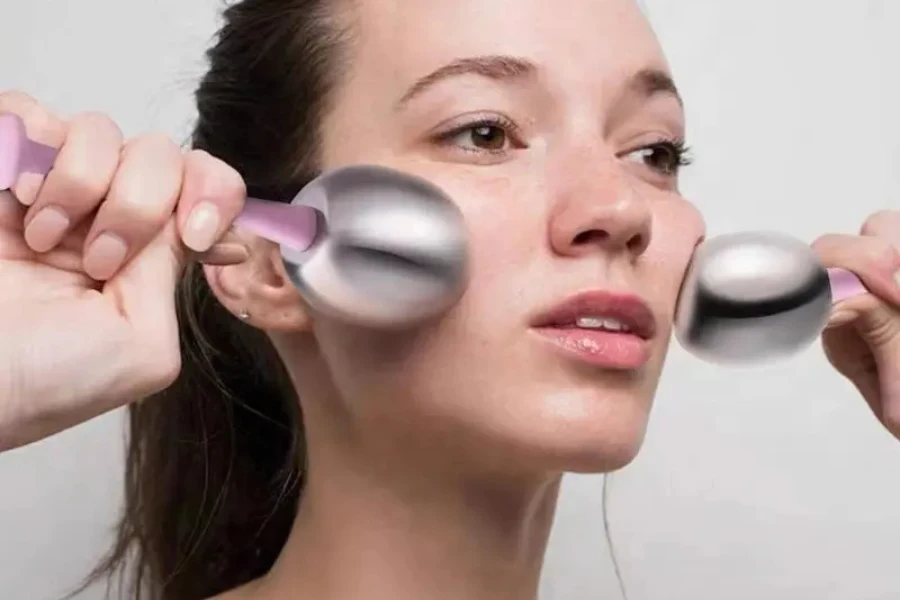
(605, 323)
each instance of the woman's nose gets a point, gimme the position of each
(605, 213)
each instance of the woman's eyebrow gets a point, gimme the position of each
(649, 82)
(646, 83)
(492, 67)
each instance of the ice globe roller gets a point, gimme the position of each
(755, 296)
(368, 244)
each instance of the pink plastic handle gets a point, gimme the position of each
(844, 285)
(288, 224)
(291, 225)
(18, 154)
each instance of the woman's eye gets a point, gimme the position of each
(487, 138)
(666, 158)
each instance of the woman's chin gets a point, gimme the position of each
(590, 437)
(602, 453)
(603, 460)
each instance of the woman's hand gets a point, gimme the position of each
(89, 260)
(863, 337)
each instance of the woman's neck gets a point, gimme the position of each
(379, 536)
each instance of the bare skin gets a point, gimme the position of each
(435, 456)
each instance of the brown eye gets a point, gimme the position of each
(489, 140)
(488, 137)
(485, 136)
(666, 158)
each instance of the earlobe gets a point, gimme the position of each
(260, 287)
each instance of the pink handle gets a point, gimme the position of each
(845, 284)
(18, 154)
(291, 225)
(288, 224)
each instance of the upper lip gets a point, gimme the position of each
(628, 309)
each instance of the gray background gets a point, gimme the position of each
(774, 483)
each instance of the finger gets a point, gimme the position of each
(212, 197)
(41, 126)
(78, 183)
(14, 248)
(223, 254)
(875, 260)
(12, 213)
(884, 224)
(141, 199)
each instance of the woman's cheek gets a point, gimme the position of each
(678, 228)
(505, 217)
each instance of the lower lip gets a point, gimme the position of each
(605, 349)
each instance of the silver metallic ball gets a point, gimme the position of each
(752, 297)
(391, 249)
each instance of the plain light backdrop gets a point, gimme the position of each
(771, 483)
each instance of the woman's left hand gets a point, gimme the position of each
(862, 340)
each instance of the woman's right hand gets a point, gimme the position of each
(89, 260)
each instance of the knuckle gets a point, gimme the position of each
(220, 180)
(41, 124)
(98, 122)
(881, 221)
(135, 206)
(152, 147)
(89, 176)
(231, 179)
(881, 254)
(16, 101)
(83, 182)
(155, 141)
(146, 185)
(200, 155)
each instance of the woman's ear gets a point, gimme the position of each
(258, 290)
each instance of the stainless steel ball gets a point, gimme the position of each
(390, 252)
(752, 297)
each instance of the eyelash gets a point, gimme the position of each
(675, 147)
(510, 129)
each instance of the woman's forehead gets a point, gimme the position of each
(583, 36)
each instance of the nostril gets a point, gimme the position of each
(637, 244)
(591, 236)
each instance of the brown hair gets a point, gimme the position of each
(215, 462)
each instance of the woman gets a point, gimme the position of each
(429, 462)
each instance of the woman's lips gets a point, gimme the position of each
(603, 329)
(605, 349)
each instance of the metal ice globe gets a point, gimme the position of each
(752, 297)
(390, 252)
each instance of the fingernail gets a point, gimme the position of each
(105, 256)
(46, 229)
(27, 187)
(202, 227)
(897, 278)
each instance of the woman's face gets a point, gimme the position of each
(555, 128)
